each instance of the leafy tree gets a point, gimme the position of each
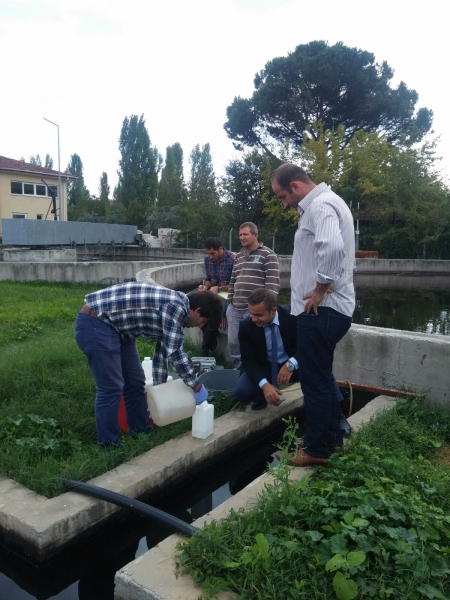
(162, 216)
(104, 188)
(36, 160)
(48, 162)
(77, 193)
(333, 84)
(396, 193)
(138, 173)
(243, 187)
(172, 189)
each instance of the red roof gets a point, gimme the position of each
(10, 164)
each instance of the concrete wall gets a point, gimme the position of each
(106, 273)
(27, 255)
(402, 360)
(397, 265)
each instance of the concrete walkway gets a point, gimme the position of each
(152, 575)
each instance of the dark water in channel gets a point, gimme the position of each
(87, 573)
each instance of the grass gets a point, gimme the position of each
(43, 373)
(374, 524)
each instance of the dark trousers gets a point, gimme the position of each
(116, 367)
(209, 336)
(317, 337)
(248, 391)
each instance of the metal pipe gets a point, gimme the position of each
(145, 510)
(229, 239)
(379, 390)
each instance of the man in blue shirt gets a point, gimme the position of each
(105, 330)
(218, 268)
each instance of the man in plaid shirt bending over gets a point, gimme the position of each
(105, 330)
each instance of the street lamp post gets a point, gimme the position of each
(59, 174)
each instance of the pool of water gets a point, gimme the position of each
(424, 308)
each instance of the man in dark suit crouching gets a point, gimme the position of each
(263, 373)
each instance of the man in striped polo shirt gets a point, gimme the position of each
(323, 299)
(256, 266)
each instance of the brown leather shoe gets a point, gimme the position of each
(291, 455)
(301, 459)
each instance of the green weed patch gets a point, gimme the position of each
(374, 524)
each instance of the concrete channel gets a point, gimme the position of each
(152, 575)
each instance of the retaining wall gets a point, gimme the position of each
(107, 273)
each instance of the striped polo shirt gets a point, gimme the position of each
(251, 271)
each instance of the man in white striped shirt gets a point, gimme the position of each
(323, 299)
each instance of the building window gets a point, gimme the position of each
(19, 215)
(32, 189)
(39, 217)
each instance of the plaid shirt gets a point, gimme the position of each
(219, 273)
(143, 309)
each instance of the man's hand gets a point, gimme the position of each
(315, 298)
(203, 288)
(271, 394)
(284, 376)
(214, 289)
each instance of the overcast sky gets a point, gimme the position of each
(86, 64)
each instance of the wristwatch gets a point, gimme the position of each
(289, 366)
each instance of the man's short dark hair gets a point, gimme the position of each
(214, 243)
(262, 295)
(288, 172)
(253, 228)
(210, 306)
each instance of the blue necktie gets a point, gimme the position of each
(274, 354)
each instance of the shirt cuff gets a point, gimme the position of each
(324, 278)
(293, 361)
(262, 382)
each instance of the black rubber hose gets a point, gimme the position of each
(137, 506)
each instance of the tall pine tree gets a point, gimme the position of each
(77, 193)
(172, 189)
(202, 216)
(138, 173)
(104, 188)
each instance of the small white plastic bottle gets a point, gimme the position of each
(203, 421)
(147, 365)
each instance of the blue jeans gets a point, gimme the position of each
(317, 337)
(116, 367)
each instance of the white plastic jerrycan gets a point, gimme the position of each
(170, 402)
(203, 421)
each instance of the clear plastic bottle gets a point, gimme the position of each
(203, 420)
